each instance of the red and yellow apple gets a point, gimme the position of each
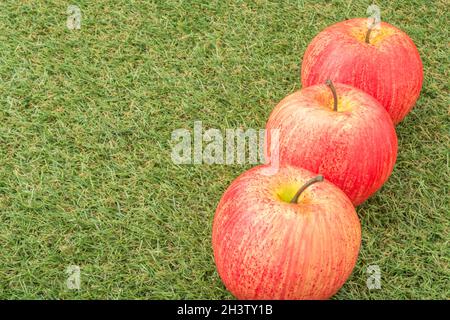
(287, 235)
(349, 138)
(382, 61)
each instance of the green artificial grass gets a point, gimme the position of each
(86, 176)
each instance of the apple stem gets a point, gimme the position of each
(318, 178)
(369, 30)
(329, 83)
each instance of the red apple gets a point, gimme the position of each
(288, 235)
(387, 66)
(355, 147)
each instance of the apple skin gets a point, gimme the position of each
(355, 148)
(389, 68)
(267, 248)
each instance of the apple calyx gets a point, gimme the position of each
(318, 178)
(329, 83)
